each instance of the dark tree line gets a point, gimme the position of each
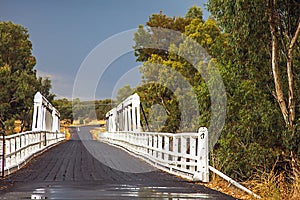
(71, 110)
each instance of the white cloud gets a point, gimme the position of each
(62, 84)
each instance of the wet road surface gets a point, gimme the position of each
(72, 171)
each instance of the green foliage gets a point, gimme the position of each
(44, 86)
(102, 107)
(178, 69)
(238, 41)
(155, 94)
(160, 40)
(82, 110)
(65, 108)
(81, 121)
(194, 12)
(255, 131)
(123, 93)
(18, 81)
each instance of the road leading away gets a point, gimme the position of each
(72, 171)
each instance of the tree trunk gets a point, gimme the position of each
(290, 74)
(275, 59)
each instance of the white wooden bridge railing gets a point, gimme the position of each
(182, 154)
(17, 149)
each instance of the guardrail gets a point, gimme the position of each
(182, 154)
(16, 150)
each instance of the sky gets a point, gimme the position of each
(67, 34)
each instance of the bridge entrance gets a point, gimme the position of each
(69, 171)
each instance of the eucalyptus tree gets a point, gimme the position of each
(18, 80)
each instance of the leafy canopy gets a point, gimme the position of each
(18, 80)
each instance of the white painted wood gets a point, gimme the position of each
(22, 146)
(45, 132)
(183, 157)
(149, 147)
(45, 116)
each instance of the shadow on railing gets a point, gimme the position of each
(16, 150)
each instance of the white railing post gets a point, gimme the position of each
(202, 173)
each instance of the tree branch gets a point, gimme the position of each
(291, 85)
(296, 35)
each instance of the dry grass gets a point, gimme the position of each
(223, 186)
(295, 187)
(95, 132)
(278, 186)
(66, 130)
(269, 186)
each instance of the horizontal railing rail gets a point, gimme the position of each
(17, 149)
(182, 154)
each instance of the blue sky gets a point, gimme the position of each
(64, 32)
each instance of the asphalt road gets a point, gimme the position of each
(82, 168)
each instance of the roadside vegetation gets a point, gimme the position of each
(256, 47)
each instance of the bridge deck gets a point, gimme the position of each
(70, 171)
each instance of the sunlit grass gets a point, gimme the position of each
(283, 185)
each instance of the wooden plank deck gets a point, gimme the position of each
(70, 171)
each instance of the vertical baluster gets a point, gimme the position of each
(145, 142)
(15, 150)
(192, 152)
(26, 138)
(129, 113)
(150, 144)
(7, 150)
(183, 152)
(155, 146)
(175, 149)
(167, 148)
(159, 145)
(20, 147)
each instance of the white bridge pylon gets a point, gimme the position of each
(45, 116)
(126, 116)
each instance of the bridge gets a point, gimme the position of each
(122, 163)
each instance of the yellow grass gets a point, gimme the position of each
(278, 186)
(66, 130)
(223, 186)
(89, 122)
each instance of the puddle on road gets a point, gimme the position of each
(108, 192)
